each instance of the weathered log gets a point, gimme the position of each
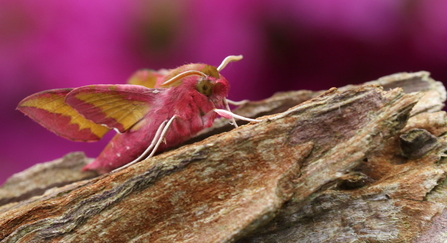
(359, 163)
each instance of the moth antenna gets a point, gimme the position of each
(183, 75)
(227, 60)
(228, 109)
(228, 114)
(155, 143)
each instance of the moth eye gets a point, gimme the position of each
(205, 87)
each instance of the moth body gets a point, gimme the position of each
(193, 110)
(188, 97)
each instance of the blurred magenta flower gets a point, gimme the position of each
(286, 45)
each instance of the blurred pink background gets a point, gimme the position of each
(287, 45)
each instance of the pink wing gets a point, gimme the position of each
(49, 109)
(115, 106)
(148, 78)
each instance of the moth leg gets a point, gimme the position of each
(158, 138)
(228, 115)
(225, 101)
(162, 135)
(151, 146)
(237, 103)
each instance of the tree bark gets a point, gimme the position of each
(362, 163)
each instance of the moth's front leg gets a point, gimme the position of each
(229, 115)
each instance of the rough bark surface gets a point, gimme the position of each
(361, 163)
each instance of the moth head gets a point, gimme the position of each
(213, 85)
(205, 86)
(216, 84)
(175, 77)
(206, 78)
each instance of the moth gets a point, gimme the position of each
(154, 111)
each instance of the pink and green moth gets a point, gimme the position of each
(154, 111)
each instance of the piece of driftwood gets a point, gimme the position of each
(362, 163)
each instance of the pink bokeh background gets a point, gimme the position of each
(287, 45)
